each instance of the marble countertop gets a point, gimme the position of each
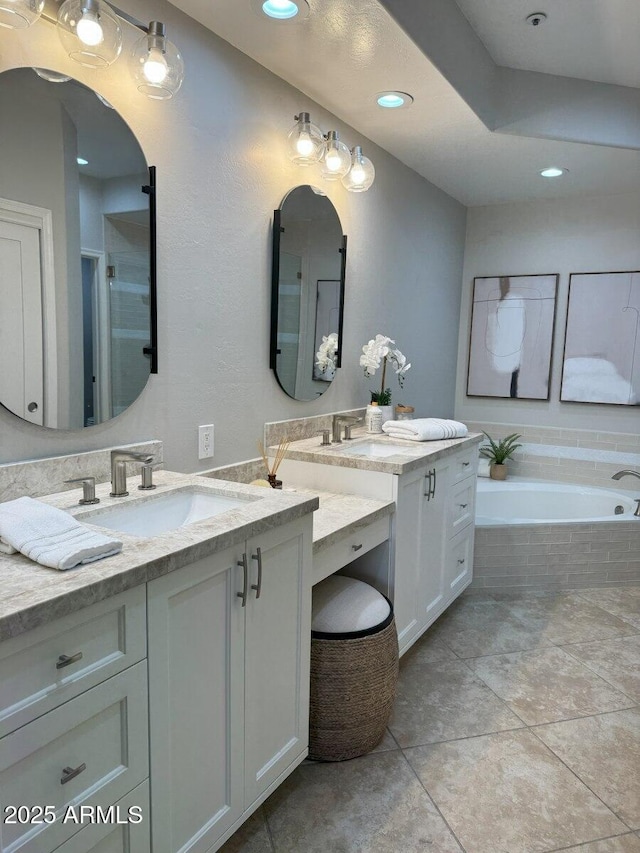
(32, 595)
(410, 456)
(340, 514)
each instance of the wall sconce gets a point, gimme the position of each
(91, 33)
(309, 145)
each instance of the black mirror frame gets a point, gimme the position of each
(152, 349)
(275, 279)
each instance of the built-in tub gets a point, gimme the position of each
(552, 536)
(520, 501)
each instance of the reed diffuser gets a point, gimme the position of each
(272, 469)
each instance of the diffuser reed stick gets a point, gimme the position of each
(272, 470)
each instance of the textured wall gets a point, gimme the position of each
(589, 234)
(222, 169)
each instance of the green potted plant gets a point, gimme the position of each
(497, 452)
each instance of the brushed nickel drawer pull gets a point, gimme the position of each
(69, 773)
(258, 586)
(245, 573)
(460, 562)
(466, 464)
(67, 660)
(463, 506)
(357, 547)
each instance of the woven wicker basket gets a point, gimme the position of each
(353, 687)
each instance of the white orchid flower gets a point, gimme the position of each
(377, 352)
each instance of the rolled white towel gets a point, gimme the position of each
(51, 536)
(425, 429)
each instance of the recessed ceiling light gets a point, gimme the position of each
(394, 100)
(81, 161)
(282, 10)
(553, 172)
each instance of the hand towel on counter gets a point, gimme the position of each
(425, 429)
(52, 537)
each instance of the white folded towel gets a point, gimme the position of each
(425, 429)
(5, 548)
(51, 536)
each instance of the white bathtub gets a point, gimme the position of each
(520, 501)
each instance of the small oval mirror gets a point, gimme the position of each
(307, 301)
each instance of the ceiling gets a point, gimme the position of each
(348, 50)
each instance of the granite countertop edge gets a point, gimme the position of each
(35, 595)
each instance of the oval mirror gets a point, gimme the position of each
(307, 293)
(77, 254)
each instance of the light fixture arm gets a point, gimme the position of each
(50, 13)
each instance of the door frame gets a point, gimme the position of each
(41, 218)
(102, 335)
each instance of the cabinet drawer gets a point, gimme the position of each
(349, 548)
(100, 641)
(462, 505)
(459, 562)
(114, 835)
(464, 464)
(101, 737)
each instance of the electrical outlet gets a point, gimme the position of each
(205, 441)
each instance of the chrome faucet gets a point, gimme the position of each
(119, 470)
(619, 475)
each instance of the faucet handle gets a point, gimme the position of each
(347, 430)
(147, 476)
(88, 490)
(325, 433)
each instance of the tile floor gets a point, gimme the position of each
(516, 730)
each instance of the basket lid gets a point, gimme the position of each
(343, 605)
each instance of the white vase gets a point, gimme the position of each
(387, 413)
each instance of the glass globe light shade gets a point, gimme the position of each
(90, 32)
(361, 174)
(336, 160)
(306, 142)
(19, 14)
(51, 76)
(156, 65)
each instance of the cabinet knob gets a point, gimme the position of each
(463, 506)
(466, 464)
(460, 562)
(357, 547)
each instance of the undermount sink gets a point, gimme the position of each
(373, 450)
(162, 513)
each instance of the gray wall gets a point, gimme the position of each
(590, 234)
(219, 147)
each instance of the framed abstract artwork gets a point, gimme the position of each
(512, 336)
(602, 339)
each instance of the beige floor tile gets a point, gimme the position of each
(252, 837)
(622, 602)
(445, 701)
(507, 793)
(621, 844)
(546, 685)
(604, 751)
(485, 627)
(369, 805)
(428, 649)
(617, 661)
(563, 619)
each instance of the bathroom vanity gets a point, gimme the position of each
(179, 667)
(429, 560)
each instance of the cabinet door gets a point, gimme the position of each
(196, 702)
(460, 562)
(433, 540)
(410, 497)
(277, 653)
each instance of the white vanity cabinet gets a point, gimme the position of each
(433, 540)
(229, 652)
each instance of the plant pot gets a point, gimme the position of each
(498, 472)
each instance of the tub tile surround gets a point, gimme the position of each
(34, 595)
(37, 477)
(586, 457)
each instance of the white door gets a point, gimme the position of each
(21, 342)
(277, 654)
(196, 703)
